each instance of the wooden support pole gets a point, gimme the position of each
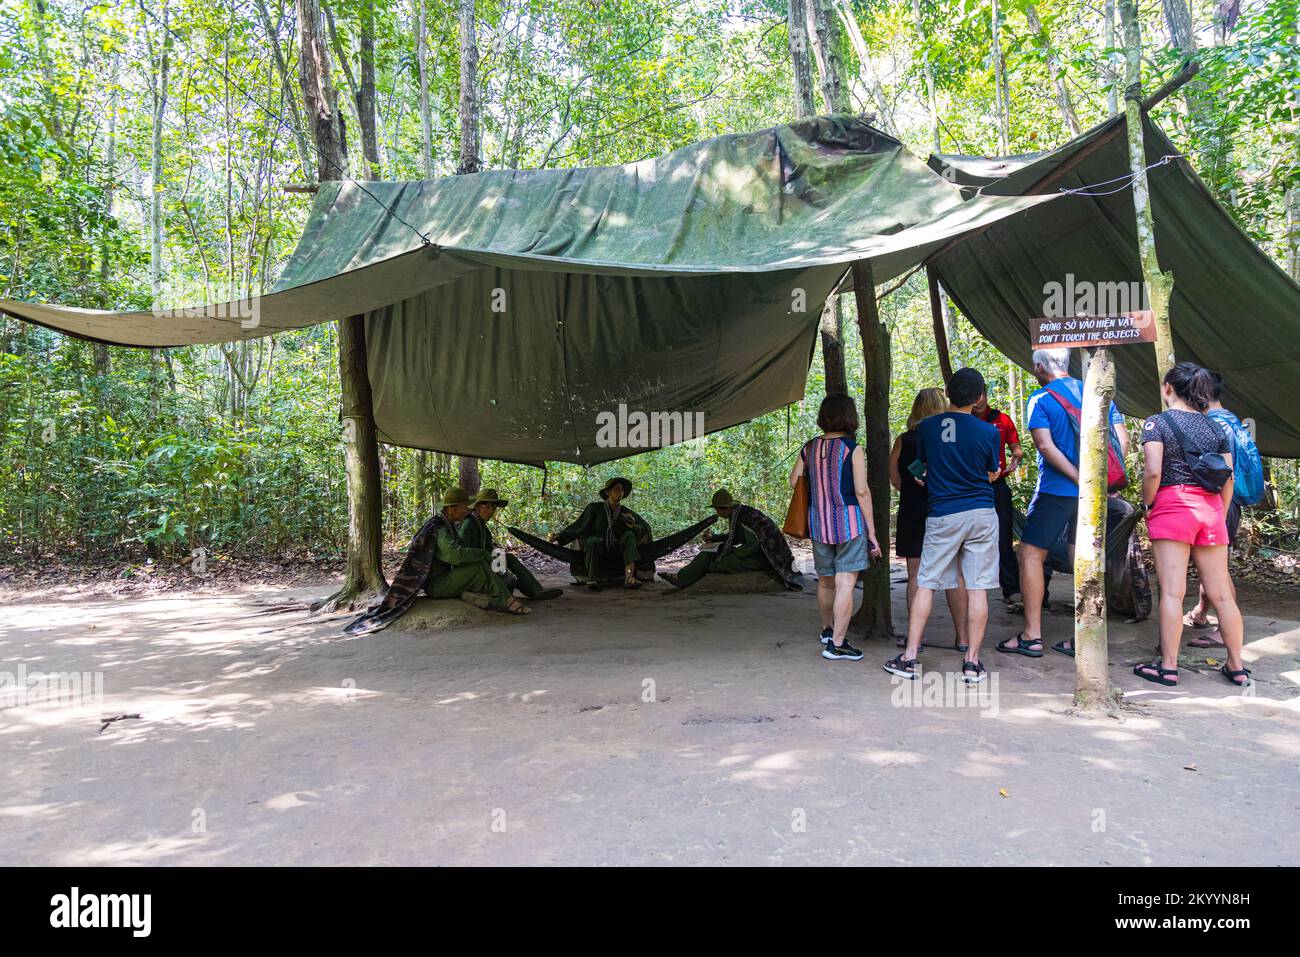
(940, 332)
(874, 617)
(1092, 691)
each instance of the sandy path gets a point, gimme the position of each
(266, 738)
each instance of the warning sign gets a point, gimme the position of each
(1072, 332)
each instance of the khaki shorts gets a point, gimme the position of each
(963, 540)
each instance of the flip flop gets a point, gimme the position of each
(1190, 622)
(1020, 648)
(1060, 647)
(1213, 640)
(520, 610)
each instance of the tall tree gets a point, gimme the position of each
(363, 578)
(1110, 71)
(366, 91)
(1064, 103)
(825, 35)
(1000, 83)
(807, 19)
(948, 316)
(797, 32)
(875, 616)
(421, 59)
(1159, 284)
(470, 162)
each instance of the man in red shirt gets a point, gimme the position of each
(1008, 564)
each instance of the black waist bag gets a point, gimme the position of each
(1210, 470)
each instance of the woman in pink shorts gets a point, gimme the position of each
(1186, 521)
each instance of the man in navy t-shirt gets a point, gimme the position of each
(1050, 418)
(960, 453)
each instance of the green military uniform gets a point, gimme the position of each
(475, 533)
(458, 568)
(743, 555)
(605, 533)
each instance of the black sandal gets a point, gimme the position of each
(974, 670)
(1161, 676)
(902, 667)
(1020, 648)
(1060, 647)
(1232, 675)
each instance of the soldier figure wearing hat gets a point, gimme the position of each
(739, 550)
(607, 530)
(459, 570)
(475, 532)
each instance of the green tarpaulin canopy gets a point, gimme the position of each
(509, 314)
(1233, 308)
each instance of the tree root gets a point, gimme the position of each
(350, 599)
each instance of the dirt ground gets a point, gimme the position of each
(648, 727)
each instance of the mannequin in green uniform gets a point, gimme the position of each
(475, 532)
(608, 529)
(740, 550)
(462, 571)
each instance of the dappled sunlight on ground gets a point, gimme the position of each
(615, 728)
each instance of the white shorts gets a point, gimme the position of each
(963, 540)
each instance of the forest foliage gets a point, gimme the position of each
(120, 452)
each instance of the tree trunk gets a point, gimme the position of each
(421, 56)
(1111, 72)
(797, 30)
(1063, 101)
(469, 104)
(866, 71)
(282, 68)
(155, 163)
(1159, 283)
(1092, 690)
(1000, 84)
(832, 333)
(363, 579)
(469, 160)
(875, 617)
(366, 92)
(825, 35)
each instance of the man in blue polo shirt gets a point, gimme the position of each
(1051, 417)
(960, 453)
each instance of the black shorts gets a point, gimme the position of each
(1233, 520)
(1051, 519)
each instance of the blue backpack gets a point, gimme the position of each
(1247, 466)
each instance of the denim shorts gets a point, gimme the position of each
(850, 556)
(1051, 520)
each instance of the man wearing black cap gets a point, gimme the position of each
(606, 531)
(960, 453)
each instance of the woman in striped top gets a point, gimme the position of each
(839, 518)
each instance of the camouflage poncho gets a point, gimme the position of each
(770, 540)
(420, 562)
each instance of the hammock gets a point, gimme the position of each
(613, 570)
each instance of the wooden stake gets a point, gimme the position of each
(1092, 691)
(940, 332)
(875, 617)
